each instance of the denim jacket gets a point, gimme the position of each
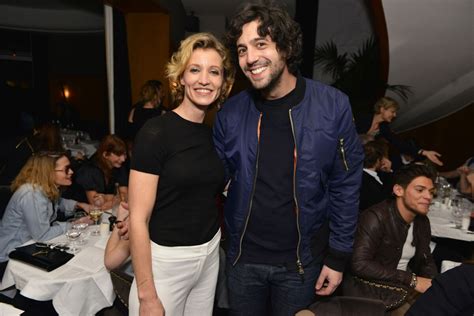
(30, 215)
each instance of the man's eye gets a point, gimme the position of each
(261, 45)
(241, 51)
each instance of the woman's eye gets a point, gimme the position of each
(193, 70)
(215, 72)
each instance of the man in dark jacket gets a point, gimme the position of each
(377, 176)
(294, 160)
(392, 240)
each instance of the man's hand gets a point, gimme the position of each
(328, 281)
(422, 284)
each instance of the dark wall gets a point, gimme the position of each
(450, 136)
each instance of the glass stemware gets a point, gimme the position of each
(73, 235)
(96, 213)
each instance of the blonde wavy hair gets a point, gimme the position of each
(386, 103)
(175, 68)
(39, 172)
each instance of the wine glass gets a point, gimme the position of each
(95, 214)
(82, 228)
(73, 235)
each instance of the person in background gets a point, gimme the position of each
(117, 250)
(377, 125)
(451, 294)
(148, 106)
(44, 137)
(461, 174)
(392, 241)
(102, 173)
(294, 161)
(175, 177)
(32, 210)
(376, 178)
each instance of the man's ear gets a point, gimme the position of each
(398, 190)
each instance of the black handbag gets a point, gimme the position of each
(41, 257)
(392, 296)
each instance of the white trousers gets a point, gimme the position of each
(185, 278)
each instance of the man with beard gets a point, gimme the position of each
(294, 162)
(392, 242)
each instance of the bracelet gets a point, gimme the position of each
(414, 281)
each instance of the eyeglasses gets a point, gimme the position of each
(50, 154)
(65, 170)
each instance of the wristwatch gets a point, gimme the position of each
(414, 281)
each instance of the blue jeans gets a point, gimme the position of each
(261, 289)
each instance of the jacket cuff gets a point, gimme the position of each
(337, 260)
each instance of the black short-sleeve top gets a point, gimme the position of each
(190, 173)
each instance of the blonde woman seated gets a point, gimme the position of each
(32, 210)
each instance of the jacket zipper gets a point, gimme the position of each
(299, 264)
(343, 153)
(253, 192)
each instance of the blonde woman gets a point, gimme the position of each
(378, 126)
(32, 210)
(174, 179)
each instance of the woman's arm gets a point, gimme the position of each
(141, 194)
(117, 249)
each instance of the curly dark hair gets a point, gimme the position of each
(275, 22)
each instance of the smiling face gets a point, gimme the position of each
(388, 114)
(261, 62)
(114, 160)
(203, 77)
(415, 199)
(63, 172)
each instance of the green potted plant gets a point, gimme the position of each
(357, 74)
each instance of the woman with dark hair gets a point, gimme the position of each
(175, 177)
(100, 174)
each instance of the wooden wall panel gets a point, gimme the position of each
(148, 49)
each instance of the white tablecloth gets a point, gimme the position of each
(80, 287)
(442, 225)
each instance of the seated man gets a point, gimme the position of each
(391, 244)
(376, 182)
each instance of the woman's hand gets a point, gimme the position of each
(151, 307)
(84, 219)
(433, 156)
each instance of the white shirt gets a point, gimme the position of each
(374, 174)
(408, 250)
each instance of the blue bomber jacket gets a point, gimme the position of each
(327, 176)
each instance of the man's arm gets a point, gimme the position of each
(368, 239)
(343, 189)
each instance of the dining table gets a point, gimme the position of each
(442, 224)
(82, 286)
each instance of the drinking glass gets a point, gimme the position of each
(457, 213)
(96, 213)
(73, 235)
